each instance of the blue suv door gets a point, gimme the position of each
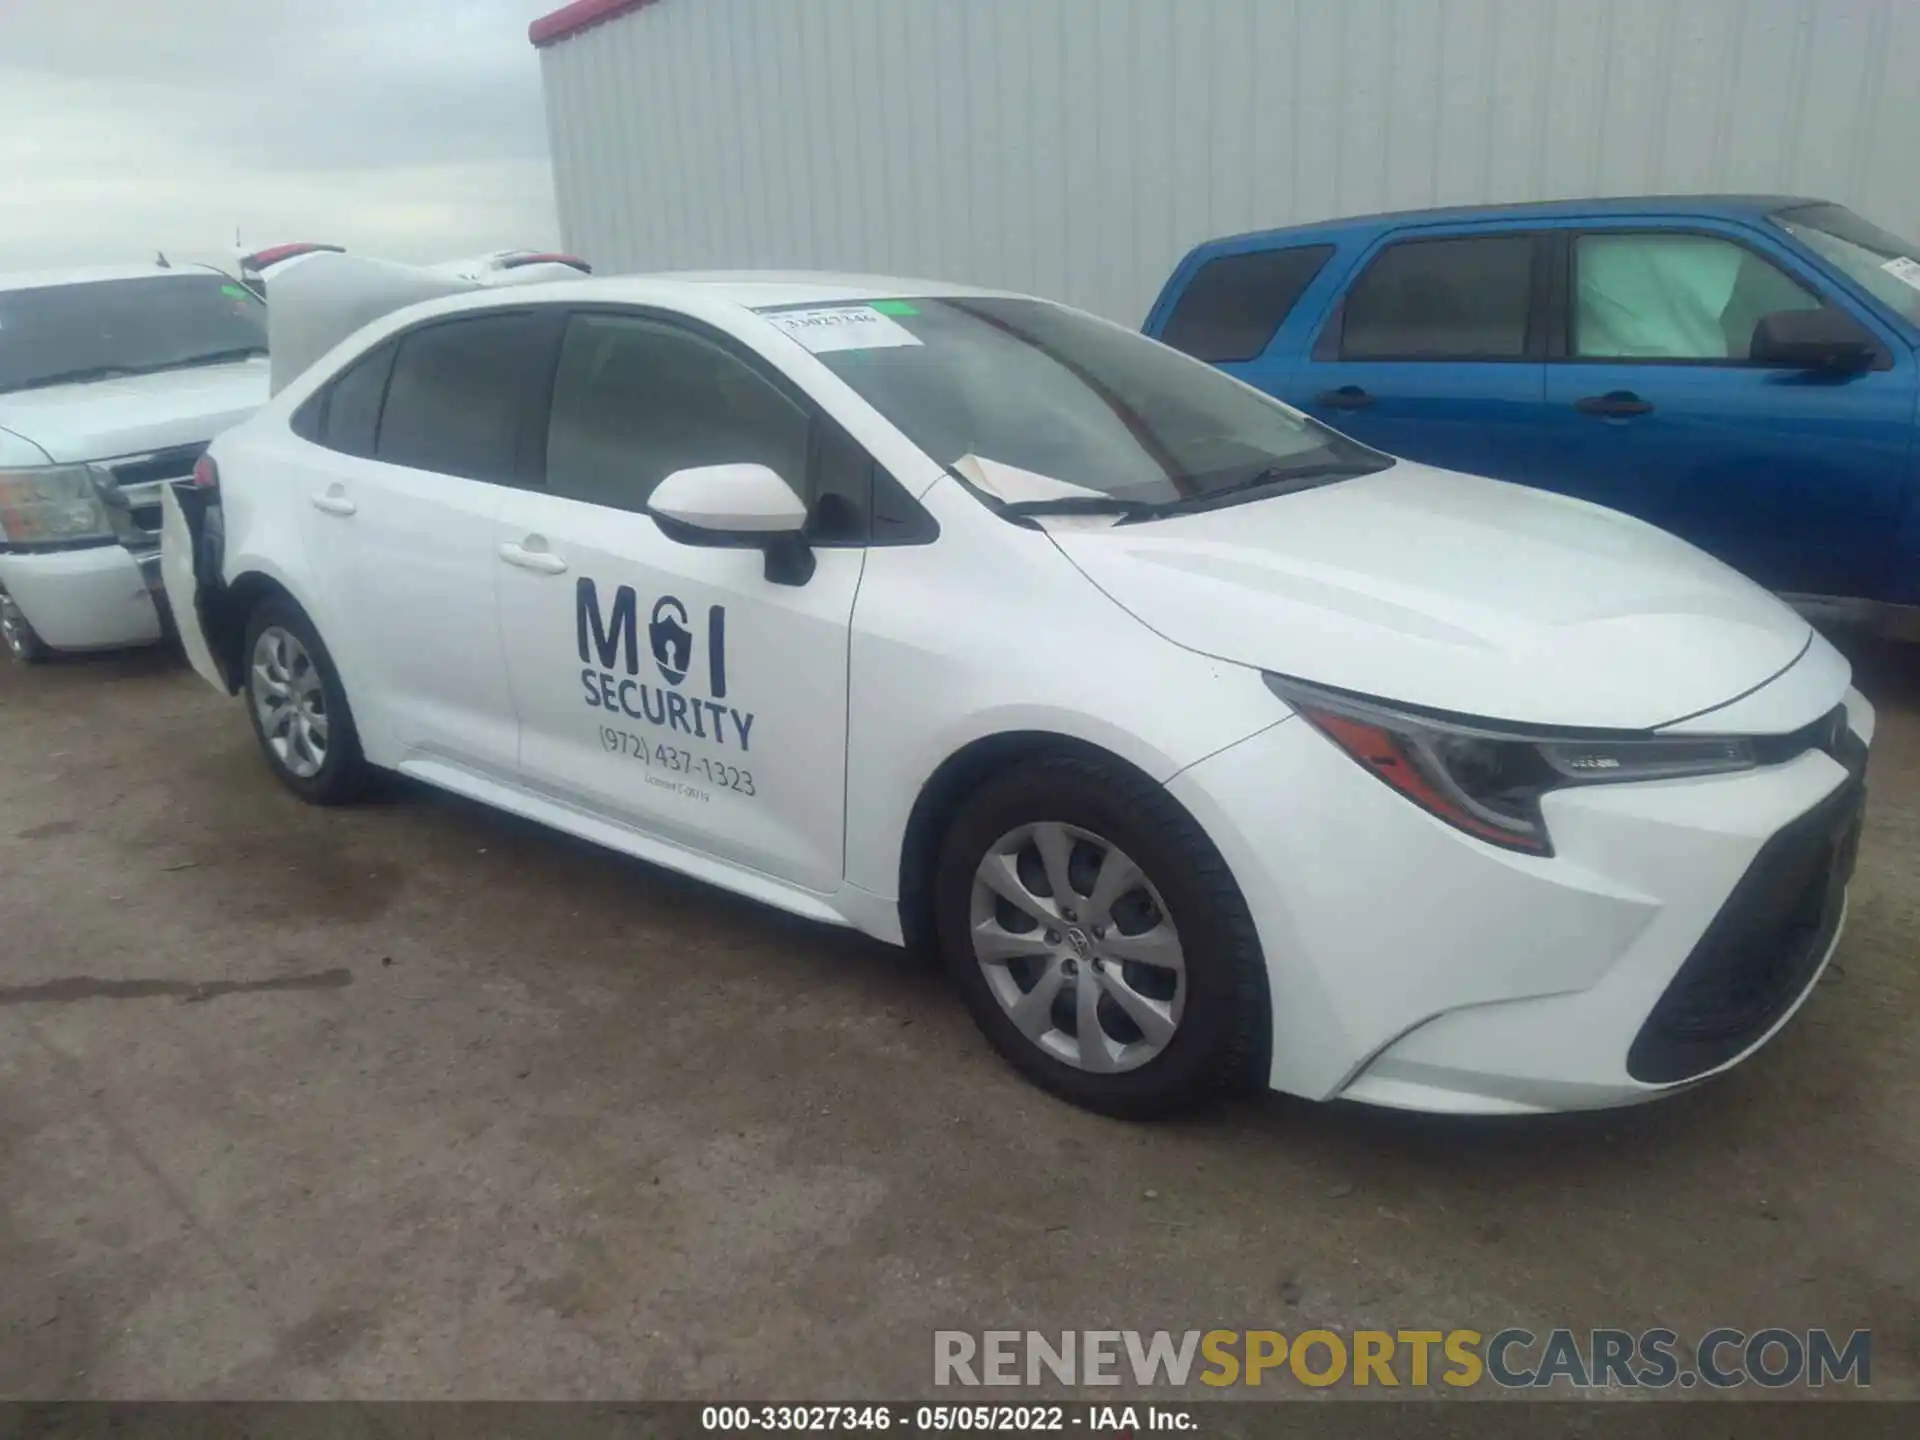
(1653, 406)
(1434, 349)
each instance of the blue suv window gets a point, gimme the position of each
(1673, 296)
(1458, 298)
(1234, 303)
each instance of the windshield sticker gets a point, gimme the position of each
(234, 292)
(1904, 267)
(843, 327)
(896, 307)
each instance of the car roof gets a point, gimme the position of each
(1732, 207)
(90, 274)
(751, 289)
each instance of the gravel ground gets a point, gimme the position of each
(414, 1100)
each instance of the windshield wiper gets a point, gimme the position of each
(211, 357)
(77, 376)
(81, 375)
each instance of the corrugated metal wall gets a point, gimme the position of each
(1076, 148)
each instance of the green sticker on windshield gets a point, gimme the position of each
(237, 292)
(894, 307)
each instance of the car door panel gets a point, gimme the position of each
(409, 569)
(1467, 389)
(675, 689)
(1797, 478)
(672, 686)
(399, 511)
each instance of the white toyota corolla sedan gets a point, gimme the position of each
(1207, 745)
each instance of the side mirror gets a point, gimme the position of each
(1813, 340)
(745, 506)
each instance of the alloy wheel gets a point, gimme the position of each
(1077, 946)
(290, 701)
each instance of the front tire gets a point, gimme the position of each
(299, 708)
(1099, 940)
(23, 642)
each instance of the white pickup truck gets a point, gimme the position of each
(112, 382)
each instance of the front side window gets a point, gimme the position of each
(1234, 303)
(460, 391)
(1061, 395)
(1649, 296)
(1884, 265)
(1460, 298)
(71, 334)
(635, 400)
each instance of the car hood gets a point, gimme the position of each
(1452, 592)
(135, 413)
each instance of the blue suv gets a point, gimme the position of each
(1740, 370)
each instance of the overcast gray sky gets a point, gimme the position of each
(410, 128)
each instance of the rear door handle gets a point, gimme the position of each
(1614, 402)
(1347, 397)
(334, 501)
(541, 560)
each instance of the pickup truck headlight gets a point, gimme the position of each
(51, 504)
(1487, 778)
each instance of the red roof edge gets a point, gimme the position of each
(570, 20)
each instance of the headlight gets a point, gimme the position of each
(51, 503)
(1488, 779)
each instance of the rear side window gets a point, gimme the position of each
(351, 417)
(635, 400)
(1234, 303)
(460, 392)
(1464, 298)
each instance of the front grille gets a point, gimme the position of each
(137, 483)
(174, 463)
(1829, 733)
(1762, 949)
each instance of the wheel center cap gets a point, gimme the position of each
(1082, 946)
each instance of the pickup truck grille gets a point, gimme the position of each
(138, 480)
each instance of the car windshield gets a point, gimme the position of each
(1056, 393)
(1882, 263)
(59, 334)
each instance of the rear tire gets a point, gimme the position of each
(1142, 993)
(23, 642)
(299, 708)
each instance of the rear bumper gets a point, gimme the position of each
(99, 598)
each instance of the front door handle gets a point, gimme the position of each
(533, 557)
(1347, 397)
(333, 501)
(1614, 402)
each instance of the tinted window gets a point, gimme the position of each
(1442, 299)
(1234, 303)
(351, 416)
(635, 400)
(459, 392)
(103, 328)
(1674, 297)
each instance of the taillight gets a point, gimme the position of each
(274, 254)
(206, 474)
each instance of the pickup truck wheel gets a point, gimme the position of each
(1100, 941)
(23, 642)
(298, 708)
